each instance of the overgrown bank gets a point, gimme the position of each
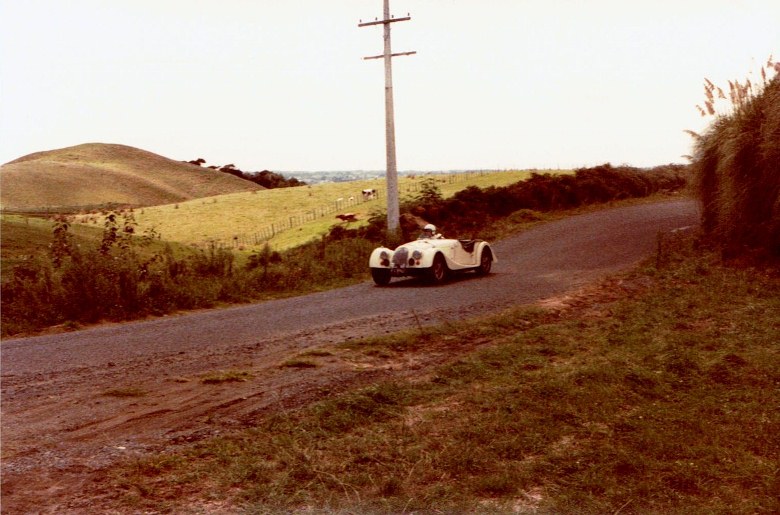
(654, 396)
(119, 278)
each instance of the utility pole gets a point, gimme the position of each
(393, 210)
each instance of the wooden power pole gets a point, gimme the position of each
(393, 210)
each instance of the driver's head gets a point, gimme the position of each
(429, 230)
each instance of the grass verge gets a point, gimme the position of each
(660, 397)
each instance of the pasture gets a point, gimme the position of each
(288, 217)
(24, 238)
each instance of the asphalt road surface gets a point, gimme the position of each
(536, 264)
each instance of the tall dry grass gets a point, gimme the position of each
(737, 167)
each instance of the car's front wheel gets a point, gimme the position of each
(438, 271)
(381, 276)
(485, 262)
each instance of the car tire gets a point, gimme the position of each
(438, 272)
(485, 262)
(381, 276)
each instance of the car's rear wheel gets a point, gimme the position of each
(381, 276)
(438, 271)
(485, 262)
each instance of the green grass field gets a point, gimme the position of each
(23, 238)
(243, 221)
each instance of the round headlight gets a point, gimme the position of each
(384, 255)
(416, 255)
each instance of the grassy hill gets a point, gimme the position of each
(97, 174)
(287, 217)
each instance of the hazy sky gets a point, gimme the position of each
(281, 84)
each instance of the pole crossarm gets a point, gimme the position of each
(382, 56)
(381, 22)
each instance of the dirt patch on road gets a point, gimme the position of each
(61, 431)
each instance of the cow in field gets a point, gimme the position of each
(369, 194)
(347, 217)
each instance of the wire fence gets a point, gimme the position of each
(291, 221)
(263, 234)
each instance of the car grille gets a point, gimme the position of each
(401, 257)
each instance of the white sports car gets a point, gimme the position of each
(432, 257)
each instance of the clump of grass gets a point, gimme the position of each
(319, 353)
(298, 363)
(451, 333)
(663, 404)
(226, 376)
(129, 391)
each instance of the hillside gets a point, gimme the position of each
(95, 174)
(247, 218)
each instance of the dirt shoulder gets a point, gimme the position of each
(69, 428)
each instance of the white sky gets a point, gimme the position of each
(281, 84)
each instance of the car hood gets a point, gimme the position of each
(427, 244)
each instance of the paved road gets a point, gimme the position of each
(539, 263)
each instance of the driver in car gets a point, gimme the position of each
(429, 233)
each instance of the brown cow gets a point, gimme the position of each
(347, 217)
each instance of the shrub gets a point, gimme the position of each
(471, 210)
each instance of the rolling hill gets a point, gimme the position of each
(99, 174)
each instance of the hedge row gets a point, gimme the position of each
(471, 210)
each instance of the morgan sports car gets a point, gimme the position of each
(432, 257)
